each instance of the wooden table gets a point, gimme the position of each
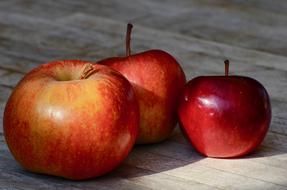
(200, 34)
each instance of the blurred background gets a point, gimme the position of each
(40, 31)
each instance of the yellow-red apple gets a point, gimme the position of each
(71, 119)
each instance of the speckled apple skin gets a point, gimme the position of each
(158, 81)
(75, 129)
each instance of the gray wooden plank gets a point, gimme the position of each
(125, 177)
(33, 32)
(230, 23)
(158, 180)
(176, 43)
(237, 23)
(45, 41)
(195, 61)
(271, 152)
(197, 170)
(279, 124)
(199, 57)
(278, 112)
(265, 158)
(277, 6)
(274, 140)
(14, 177)
(4, 94)
(95, 25)
(215, 49)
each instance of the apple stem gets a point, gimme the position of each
(226, 62)
(88, 71)
(128, 39)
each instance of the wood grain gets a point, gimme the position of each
(200, 34)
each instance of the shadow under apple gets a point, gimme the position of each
(273, 145)
(144, 160)
(154, 158)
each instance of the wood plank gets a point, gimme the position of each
(44, 40)
(199, 57)
(279, 125)
(277, 6)
(4, 94)
(202, 58)
(266, 156)
(14, 177)
(272, 151)
(196, 53)
(9, 80)
(54, 9)
(275, 141)
(159, 180)
(125, 177)
(269, 156)
(135, 175)
(213, 63)
(229, 23)
(201, 34)
(176, 43)
(221, 22)
(195, 170)
(180, 154)
(215, 49)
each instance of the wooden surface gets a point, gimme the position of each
(200, 34)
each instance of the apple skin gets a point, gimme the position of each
(158, 81)
(56, 124)
(224, 116)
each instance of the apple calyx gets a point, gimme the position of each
(226, 62)
(128, 39)
(88, 71)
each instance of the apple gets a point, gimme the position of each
(72, 119)
(224, 116)
(158, 81)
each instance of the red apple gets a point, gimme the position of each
(158, 81)
(224, 116)
(71, 119)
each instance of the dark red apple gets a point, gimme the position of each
(71, 119)
(158, 81)
(224, 116)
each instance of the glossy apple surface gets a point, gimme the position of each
(224, 116)
(71, 119)
(158, 81)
